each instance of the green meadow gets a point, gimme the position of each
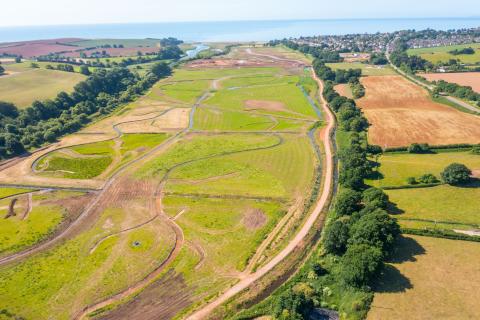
(441, 54)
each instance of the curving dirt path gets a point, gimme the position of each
(204, 312)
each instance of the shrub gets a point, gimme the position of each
(419, 148)
(428, 178)
(412, 180)
(456, 173)
(476, 149)
(292, 305)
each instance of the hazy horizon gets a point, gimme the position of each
(54, 12)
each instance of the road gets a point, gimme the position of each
(431, 87)
(299, 238)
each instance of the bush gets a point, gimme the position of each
(347, 202)
(456, 173)
(428, 178)
(412, 180)
(419, 148)
(359, 264)
(476, 149)
(292, 305)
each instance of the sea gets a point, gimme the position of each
(230, 31)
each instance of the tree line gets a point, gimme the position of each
(456, 90)
(45, 121)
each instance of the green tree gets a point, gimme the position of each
(336, 237)
(347, 202)
(84, 70)
(375, 229)
(359, 264)
(161, 69)
(456, 173)
(375, 196)
(8, 109)
(292, 305)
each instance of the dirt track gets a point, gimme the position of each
(250, 279)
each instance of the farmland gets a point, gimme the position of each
(396, 168)
(469, 79)
(367, 69)
(28, 85)
(190, 181)
(441, 54)
(429, 278)
(402, 113)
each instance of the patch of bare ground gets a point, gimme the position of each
(254, 219)
(161, 300)
(265, 105)
(173, 120)
(402, 113)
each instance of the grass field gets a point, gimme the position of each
(440, 203)
(367, 69)
(73, 276)
(226, 191)
(441, 54)
(47, 212)
(395, 168)
(402, 113)
(7, 192)
(79, 162)
(430, 279)
(37, 84)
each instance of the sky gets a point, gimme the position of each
(53, 12)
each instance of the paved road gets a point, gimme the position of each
(321, 203)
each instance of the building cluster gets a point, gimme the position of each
(349, 43)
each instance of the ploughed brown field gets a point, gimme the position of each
(402, 113)
(470, 79)
(29, 49)
(343, 89)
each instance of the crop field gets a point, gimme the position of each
(402, 113)
(367, 69)
(344, 89)
(441, 54)
(222, 160)
(24, 87)
(469, 79)
(430, 278)
(396, 168)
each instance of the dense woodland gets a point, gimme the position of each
(45, 121)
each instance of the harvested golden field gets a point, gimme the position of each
(431, 279)
(343, 89)
(470, 79)
(402, 113)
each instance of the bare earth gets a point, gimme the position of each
(401, 113)
(470, 79)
